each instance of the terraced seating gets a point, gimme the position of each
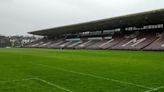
(97, 44)
(85, 44)
(158, 44)
(37, 45)
(146, 40)
(72, 46)
(106, 44)
(64, 45)
(55, 43)
(139, 42)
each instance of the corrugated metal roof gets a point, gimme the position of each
(137, 19)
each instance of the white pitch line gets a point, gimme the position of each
(41, 80)
(95, 76)
(17, 80)
(52, 84)
(2, 81)
(155, 89)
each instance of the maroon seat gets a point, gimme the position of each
(96, 45)
(85, 44)
(158, 44)
(136, 43)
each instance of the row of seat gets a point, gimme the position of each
(143, 41)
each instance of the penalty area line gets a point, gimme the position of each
(52, 84)
(41, 80)
(95, 76)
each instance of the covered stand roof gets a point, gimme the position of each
(138, 20)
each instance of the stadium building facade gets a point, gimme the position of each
(4, 41)
(140, 31)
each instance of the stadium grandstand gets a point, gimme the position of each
(139, 31)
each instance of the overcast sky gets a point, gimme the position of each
(17, 17)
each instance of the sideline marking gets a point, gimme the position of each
(95, 76)
(155, 89)
(17, 80)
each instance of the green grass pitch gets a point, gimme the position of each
(49, 70)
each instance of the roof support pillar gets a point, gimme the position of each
(163, 27)
(122, 30)
(102, 31)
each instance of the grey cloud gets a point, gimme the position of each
(21, 16)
